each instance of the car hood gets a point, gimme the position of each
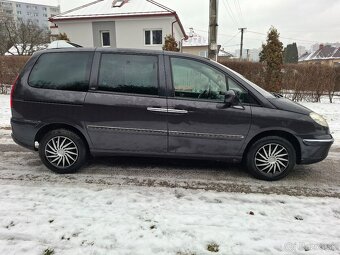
(288, 105)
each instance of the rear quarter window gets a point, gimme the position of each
(62, 71)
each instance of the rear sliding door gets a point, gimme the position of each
(124, 112)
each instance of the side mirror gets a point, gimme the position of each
(231, 99)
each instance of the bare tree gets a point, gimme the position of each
(24, 36)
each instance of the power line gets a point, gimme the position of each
(238, 11)
(229, 11)
(232, 37)
(205, 31)
(287, 38)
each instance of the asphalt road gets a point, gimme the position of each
(18, 165)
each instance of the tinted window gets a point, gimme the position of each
(62, 71)
(134, 74)
(193, 79)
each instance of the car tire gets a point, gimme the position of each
(271, 158)
(62, 151)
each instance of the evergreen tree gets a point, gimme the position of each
(291, 54)
(62, 36)
(170, 44)
(272, 56)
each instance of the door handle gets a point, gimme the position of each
(165, 110)
(177, 111)
(155, 109)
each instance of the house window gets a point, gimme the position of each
(18, 5)
(45, 15)
(117, 3)
(35, 14)
(105, 38)
(153, 37)
(19, 12)
(28, 14)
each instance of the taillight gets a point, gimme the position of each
(12, 91)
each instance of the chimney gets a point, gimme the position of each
(321, 46)
(191, 33)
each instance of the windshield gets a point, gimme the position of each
(263, 92)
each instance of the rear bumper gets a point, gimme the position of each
(23, 132)
(315, 150)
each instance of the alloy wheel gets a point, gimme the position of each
(61, 152)
(272, 159)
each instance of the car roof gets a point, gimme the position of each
(123, 50)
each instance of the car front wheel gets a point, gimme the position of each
(271, 158)
(62, 151)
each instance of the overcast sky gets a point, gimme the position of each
(305, 21)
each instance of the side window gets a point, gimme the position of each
(242, 94)
(135, 74)
(62, 71)
(193, 79)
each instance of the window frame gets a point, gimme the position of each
(171, 89)
(151, 30)
(102, 39)
(88, 70)
(98, 90)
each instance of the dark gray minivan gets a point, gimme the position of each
(72, 103)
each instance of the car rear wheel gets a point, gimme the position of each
(62, 151)
(271, 158)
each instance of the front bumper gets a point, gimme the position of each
(315, 150)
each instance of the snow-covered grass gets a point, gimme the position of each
(136, 220)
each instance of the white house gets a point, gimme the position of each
(139, 24)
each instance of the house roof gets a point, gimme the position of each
(195, 40)
(223, 53)
(323, 53)
(130, 8)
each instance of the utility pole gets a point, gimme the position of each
(247, 54)
(212, 47)
(241, 49)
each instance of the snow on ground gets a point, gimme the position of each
(5, 111)
(88, 217)
(130, 220)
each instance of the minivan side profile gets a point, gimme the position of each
(71, 103)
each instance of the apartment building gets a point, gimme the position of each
(28, 10)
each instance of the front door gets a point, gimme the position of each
(198, 121)
(121, 114)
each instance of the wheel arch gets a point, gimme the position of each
(283, 134)
(54, 126)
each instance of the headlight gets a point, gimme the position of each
(318, 119)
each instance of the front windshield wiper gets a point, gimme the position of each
(277, 95)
